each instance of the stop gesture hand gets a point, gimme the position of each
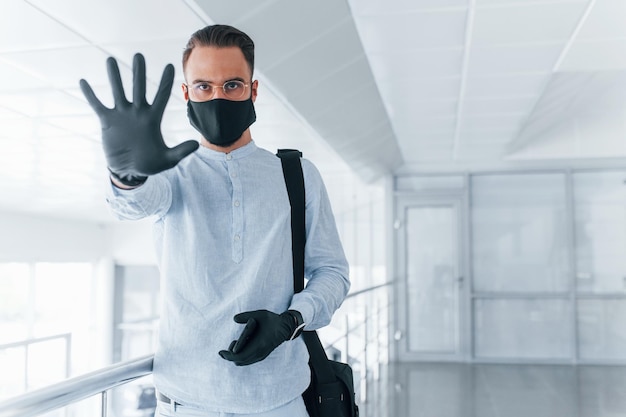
(131, 131)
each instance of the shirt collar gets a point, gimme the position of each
(238, 153)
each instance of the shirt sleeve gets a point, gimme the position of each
(325, 264)
(152, 198)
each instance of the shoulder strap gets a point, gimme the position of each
(294, 179)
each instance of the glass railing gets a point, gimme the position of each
(360, 340)
(100, 383)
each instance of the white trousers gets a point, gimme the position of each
(295, 408)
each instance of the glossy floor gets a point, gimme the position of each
(463, 390)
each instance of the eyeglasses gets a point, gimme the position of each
(204, 91)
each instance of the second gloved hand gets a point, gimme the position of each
(263, 333)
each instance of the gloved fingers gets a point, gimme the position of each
(227, 354)
(239, 359)
(249, 357)
(139, 80)
(177, 153)
(116, 82)
(242, 318)
(93, 101)
(165, 89)
(245, 336)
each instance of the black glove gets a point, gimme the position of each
(263, 333)
(131, 132)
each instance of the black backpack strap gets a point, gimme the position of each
(294, 179)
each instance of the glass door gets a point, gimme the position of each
(431, 279)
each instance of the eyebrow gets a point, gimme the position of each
(200, 80)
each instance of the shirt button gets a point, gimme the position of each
(236, 203)
(229, 157)
(237, 238)
(234, 175)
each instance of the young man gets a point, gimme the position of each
(228, 341)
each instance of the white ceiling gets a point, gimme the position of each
(397, 86)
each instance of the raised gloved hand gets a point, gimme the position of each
(131, 132)
(263, 333)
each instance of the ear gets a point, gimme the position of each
(255, 87)
(185, 92)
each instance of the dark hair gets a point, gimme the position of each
(221, 36)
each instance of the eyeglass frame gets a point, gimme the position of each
(215, 87)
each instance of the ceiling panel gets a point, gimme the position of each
(605, 55)
(319, 60)
(419, 88)
(605, 21)
(23, 27)
(490, 106)
(60, 66)
(376, 7)
(410, 64)
(302, 21)
(423, 109)
(115, 21)
(486, 152)
(43, 103)
(337, 90)
(507, 3)
(499, 137)
(500, 121)
(224, 12)
(408, 31)
(409, 123)
(400, 95)
(569, 98)
(364, 142)
(528, 22)
(504, 86)
(430, 138)
(513, 59)
(17, 79)
(417, 151)
(157, 54)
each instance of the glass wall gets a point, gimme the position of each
(519, 247)
(519, 233)
(46, 321)
(600, 261)
(546, 265)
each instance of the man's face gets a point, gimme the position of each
(217, 66)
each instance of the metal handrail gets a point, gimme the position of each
(375, 287)
(75, 389)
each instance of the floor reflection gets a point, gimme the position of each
(463, 390)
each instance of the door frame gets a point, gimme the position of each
(402, 203)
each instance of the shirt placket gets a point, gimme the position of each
(237, 209)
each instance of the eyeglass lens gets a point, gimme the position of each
(204, 91)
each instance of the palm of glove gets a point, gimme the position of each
(263, 333)
(131, 131)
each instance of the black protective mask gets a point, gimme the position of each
(221, 121)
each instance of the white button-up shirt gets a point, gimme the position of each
(223, 240)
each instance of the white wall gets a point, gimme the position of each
(27, 238)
